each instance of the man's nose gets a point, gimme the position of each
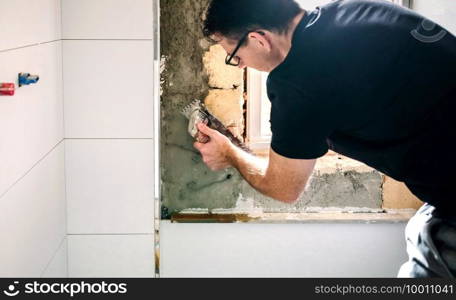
(242, 66)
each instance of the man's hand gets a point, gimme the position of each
(278, 177)
(215, 150)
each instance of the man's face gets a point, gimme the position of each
(251, 53)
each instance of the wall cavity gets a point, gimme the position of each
(191, 69)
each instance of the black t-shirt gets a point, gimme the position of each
(372, 81)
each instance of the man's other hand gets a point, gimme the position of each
(215, 150)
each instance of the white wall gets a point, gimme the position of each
(32, 190)
(108, 53)
(282, 250)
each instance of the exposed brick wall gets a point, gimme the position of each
(396, 195)
(226, 85)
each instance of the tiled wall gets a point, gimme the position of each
(108, 59)
(282, 250)
(102, 104)
(32, 185)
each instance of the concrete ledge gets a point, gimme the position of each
(390, 216)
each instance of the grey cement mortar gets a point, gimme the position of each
(340, 189)
(185, 181)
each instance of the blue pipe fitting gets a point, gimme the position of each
(26, 79)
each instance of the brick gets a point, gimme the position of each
(226, 105)
(221, 76)
(396, 195)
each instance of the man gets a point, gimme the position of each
(367, 79)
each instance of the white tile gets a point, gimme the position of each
(58, 266)
(29, 22)
(31, 122)
(111, 256)
(110, 186)
(281, 250)
(107, 19)
(108, 89)
(32, 218)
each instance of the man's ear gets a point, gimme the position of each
(262, 38)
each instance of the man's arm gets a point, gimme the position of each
(282, 178)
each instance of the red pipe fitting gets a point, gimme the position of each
(7, 89)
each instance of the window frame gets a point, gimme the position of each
(405, 3)
(256, 139)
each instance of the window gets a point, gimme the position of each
(258, 111)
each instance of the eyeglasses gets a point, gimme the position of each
(232, 59)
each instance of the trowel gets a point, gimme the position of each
(196, 112)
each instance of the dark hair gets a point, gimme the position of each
(234, 18)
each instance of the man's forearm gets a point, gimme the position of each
(252, 168)
(277, 177)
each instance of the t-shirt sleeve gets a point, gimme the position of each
(299, 124)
